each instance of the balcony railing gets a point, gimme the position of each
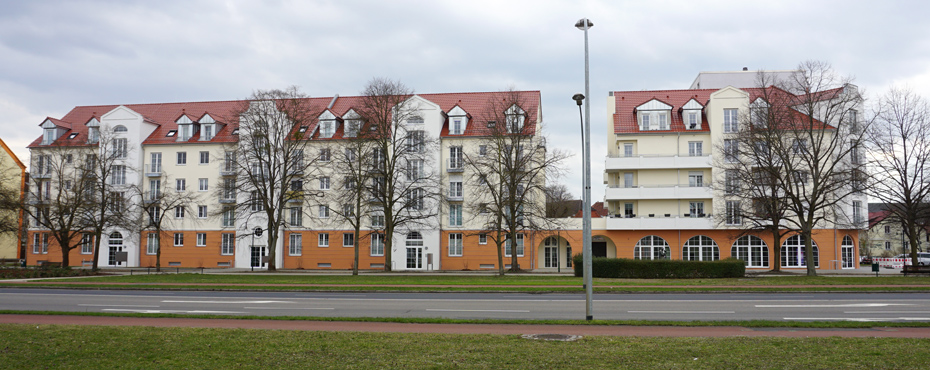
(615, 162)
(455, 165)
(659, 222)
(682, 191)
(228, 169)
(153, 170)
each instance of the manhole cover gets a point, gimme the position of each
(556, 337)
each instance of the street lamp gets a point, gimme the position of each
(584, 24)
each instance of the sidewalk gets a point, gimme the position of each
(503, 329)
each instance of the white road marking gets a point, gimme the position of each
(451, 310)
(115, 305)
(885, 312)
(286, 308)
(228, 302)
(683, 312)
(860, 319)
(830, 305)
(172, 311)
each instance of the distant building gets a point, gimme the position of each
(12, 179)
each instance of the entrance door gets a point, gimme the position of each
(257, 254)
(414, 257)
(599, 249)
(115, 243)
(848, 259)
(551, 256)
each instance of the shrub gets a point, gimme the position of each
(41, 272)
(661, 269)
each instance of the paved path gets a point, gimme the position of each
(387, 327)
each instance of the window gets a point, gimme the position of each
(482, 238)
(324, 211)
(377, 244)
(730, 150)
(696, 209)
(628, 179)
(154, 214)
(456, 159)
(328, 128)
(204, 184)
(178, 239)
(180, 184)
(800, 177)
(651, 247)
(351, 127)
(700, 248)
(201, 239)
(118, 177)
(207, 133)
(117, 201)
(455, 244)
(693, 123)
(887, 246)
(507, 243)
(415, 141)
(455, 215)
(179, 212)
(204, 157)
(155, 165)
(847, 253)
(455, 189)
(734, 216)
(731, 181)
(120, 148)
(323, 240)
(229, 216)
(887, 229)
(752, 250)
(325, 155)
(793, 251)
(663, 121)
(857, 212)
(695, 148)
(87, 244)
(348, 240)
(154, 189)
(229, 162)
(350, 154)
(456, 128)
(294, 247)
(229, 244)
(296, 216)
(255, 202)
(377, 220)
(695, 179)
(415, 169)
(628, 149)
(40, 243)
(799, 146)
(854, 152)
(628, 210)
(182, 158)
(324, 183)
(482, 150)
(644, 122)
(151, 243)
(729, 121)
(202, 211)
(415, 199)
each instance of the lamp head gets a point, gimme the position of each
(578, 98)
(581, 23)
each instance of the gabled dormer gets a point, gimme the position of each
(516, 117)
(458, 120)
(653, 115)
(328, 124)
(93, 130)
(691, 115)
(185, 127)
(352, 123)
(208, 127)
(50, 132)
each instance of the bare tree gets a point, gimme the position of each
(404, 185)
(559, 202)
(509, 172)
(61, 193)
(808, 126)
(270, 159)
(899, 143)
(158, 204)
(11, 196)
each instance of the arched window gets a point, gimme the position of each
(116, 239)
(848, 252)
(700, 248)
(752, 249)
(651, 247)
(120, 128)
(414, 239)
(792, 252)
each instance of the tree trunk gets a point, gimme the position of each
(776, 250)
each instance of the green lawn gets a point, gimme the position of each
(92, 347)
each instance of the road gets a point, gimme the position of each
(683, 307)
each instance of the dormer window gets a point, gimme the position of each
(352, 122)
(758, 113)
(120, 128)
(49, 133)
(654, 115)
(458, 120)
(327, 128)
(185, 128)
(515, 119)
(208, 128)
(93, 131)
(691, 115)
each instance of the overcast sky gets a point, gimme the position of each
(55, 55)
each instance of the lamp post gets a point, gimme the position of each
(584, 24)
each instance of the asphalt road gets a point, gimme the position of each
(684, 307)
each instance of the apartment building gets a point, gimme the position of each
(13, 176)
(177, 165)
(664, 182)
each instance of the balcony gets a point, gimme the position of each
(617, 192)
(46, 175)
(455, 165)
(455, 197)
(153, 170)
(660, 222)
(228, 169)
(643, 162)
(227, 200)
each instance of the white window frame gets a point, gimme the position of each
(228, 246)
(695, 148)
(455, 245)
(348, 240)
(151, 244)
(204, 157)
(294, 245)
(201, 239)
(323, 240)
(202, 211)
(178, 239)
(203, 184)
(180, 184)
(182, 158)
(377, 245)
(730, 120)
(520, 247)
(455, 215)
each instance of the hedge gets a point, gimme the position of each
(661, 269)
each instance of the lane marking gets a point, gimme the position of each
(859, 319)
(172, 311)
(885, 312)
(831, 305)
(286, 308)
(452, 310)
(116, 305)
(227, 302)
(684, 312)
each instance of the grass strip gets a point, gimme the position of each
(68, 347)
(748, 323)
